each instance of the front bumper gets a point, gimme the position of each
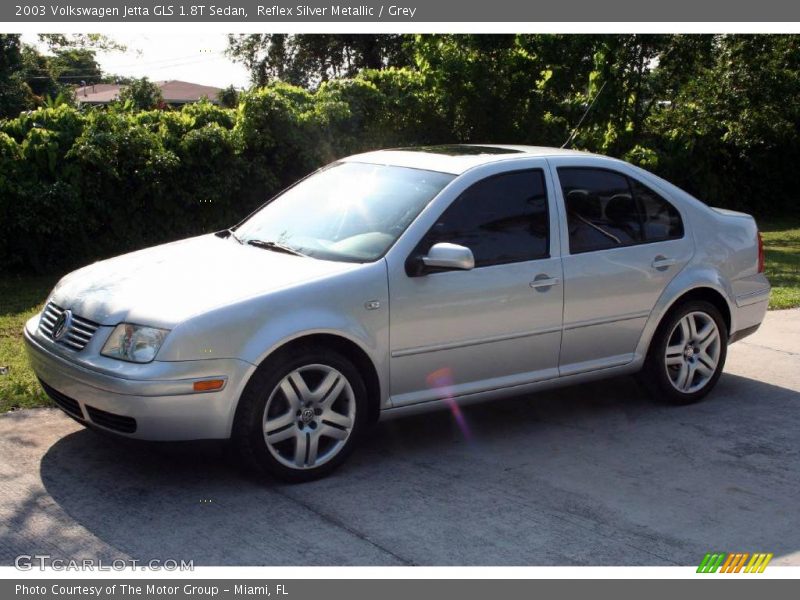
(163, 408)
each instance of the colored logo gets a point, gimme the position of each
(734, 562)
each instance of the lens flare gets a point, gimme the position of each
(442, 380)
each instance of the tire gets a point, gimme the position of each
(301, 414)
(687, 354)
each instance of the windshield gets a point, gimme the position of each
(348, 211)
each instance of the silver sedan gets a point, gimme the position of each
(398, 281)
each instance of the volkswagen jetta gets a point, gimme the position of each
(397, 281)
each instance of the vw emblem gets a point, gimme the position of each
(62, 325)
(307, 415)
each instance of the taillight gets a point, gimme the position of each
(760, 253)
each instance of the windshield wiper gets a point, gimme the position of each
(275, 246)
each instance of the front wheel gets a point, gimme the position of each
(687, 354)
(301, 414)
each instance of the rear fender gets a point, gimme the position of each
(693, 277)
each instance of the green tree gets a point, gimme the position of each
(37, 73)
(76, 66)
(731, 133)
(82, 41)
(310, 59)
(30, 78)
(229, 97)
(15, 94)
(142, 94)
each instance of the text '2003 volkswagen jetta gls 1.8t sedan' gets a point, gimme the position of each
(388, 281)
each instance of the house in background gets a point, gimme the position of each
(175, 93)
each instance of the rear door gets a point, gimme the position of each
(622, 244)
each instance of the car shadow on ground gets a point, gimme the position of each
(591, 474)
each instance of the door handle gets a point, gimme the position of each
(662, 262)
(543, 281)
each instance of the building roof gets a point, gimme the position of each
(456, 158)
(100, 92)
(173, 91)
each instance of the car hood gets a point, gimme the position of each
(164, 285)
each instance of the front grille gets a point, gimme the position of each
(78, 334)
(66, 403)
(111, 421)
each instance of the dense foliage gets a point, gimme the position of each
(30, 77)
(142, 94)
(309, 59)
(717, 115)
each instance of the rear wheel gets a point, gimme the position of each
(301, 414)
(687, 354)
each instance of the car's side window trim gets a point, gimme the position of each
(639, 208)
(415, 253)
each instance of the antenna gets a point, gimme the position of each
(586, 112)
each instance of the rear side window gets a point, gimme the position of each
(606, 209)
(502, 219)
(660, 219)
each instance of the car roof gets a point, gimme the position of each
(457, 158)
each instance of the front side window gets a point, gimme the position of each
(350, 212)
(502, 219)
(606, 209)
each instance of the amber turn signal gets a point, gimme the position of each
(208, 385)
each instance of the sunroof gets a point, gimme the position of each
(461, 150)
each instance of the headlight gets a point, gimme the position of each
(134, 343)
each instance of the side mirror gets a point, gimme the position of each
(449, 256)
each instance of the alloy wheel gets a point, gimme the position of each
(693, 352)
(309, 416)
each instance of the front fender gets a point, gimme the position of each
(372, 338)
(252, 329)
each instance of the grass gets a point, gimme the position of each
(782, 249)
(22, 297)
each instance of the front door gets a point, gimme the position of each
(498, 325)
